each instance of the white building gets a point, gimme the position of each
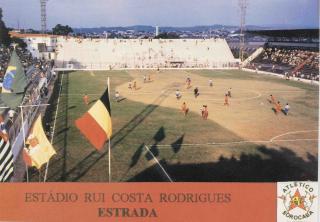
(39, 45)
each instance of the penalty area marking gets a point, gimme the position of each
(292, 132)
(272, 140)
(237, 142)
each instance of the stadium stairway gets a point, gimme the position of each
(254, 55)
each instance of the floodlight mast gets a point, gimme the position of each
(243, 4)
(43, 6)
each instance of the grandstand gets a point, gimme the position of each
(5, 52)
(143, 53)
(39, 76)
(293, 54)
(300, 63)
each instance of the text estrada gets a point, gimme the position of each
(127, 212)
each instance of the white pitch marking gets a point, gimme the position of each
(54, 126)
(159, 163)
(237, 142)
(293, 132)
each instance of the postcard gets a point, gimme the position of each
(153, 110)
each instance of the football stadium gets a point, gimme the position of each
(210, 109)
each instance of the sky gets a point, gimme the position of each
(97, 13)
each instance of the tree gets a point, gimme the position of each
(20, 42)
(4, 32)
(62, 30)
(167, 35)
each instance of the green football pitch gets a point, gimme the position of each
(153, 141)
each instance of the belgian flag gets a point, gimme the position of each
(96, 124)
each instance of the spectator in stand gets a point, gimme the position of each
(3, 130)
(11, 114)
(279, 59)
(33, 69)
(54, 74)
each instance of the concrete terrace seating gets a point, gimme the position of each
(143, 53)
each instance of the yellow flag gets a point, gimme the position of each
(40, 150)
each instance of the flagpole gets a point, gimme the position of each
(24, 139)
(109, 143)
(109, 150)
(24, 134)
